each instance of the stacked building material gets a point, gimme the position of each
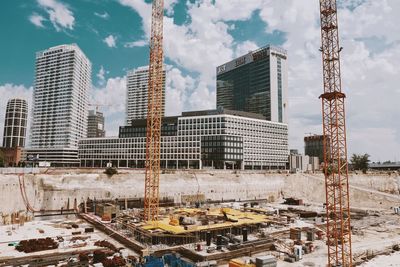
(240, 263)
(266, 261)
(293, 201)
(295, 233)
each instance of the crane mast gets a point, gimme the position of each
(154, 114)
(335, 148)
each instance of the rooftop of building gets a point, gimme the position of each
(143, 122)
(385, 165)
(63, 47)
(276, 49)
(141, 69)
(211, 112)
(315, 137)
(222, 111)
(18, 98)
(95, 113)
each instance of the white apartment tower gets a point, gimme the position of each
(137, 94)
(60, 112)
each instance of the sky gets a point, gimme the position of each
(202, 34)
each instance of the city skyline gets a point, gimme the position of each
(206, 35)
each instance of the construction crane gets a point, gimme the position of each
(335, 148)
(154, 114)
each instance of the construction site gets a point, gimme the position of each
(205, 218)
(238, 218)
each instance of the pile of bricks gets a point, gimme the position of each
(34, 245)
(115, 261)
(106, 244)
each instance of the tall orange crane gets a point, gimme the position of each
(154, 114)
(335, 147)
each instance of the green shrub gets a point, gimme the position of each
(110, 171)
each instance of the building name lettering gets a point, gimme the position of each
(260, 55)
(240, 61)
(221, 69)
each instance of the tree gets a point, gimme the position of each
(360, 162)
(110, 171)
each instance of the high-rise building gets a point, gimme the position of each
(15, 123)
(314, 146)
(14, 131)
(137, 94)
(256, 82)
(60, 112)
(95, 124)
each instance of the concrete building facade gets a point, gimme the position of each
(256, 82)
(15, 123)
(60, 112)
(303, 163)
(137, 94)
(95, 124)
(205, 139)
(11, 156)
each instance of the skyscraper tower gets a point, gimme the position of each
(256, 82)
(63, 81)
(15, 123)
(95, 124)
(137, 94)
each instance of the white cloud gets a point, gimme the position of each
(244, 48)
(101, 75)
(202, 98)
(141, 7)
(177, 85)
(367, 72)
(9, 91)
(201, 45)
(111, 97)
(60, 15)
(37, 20)
(169, 6)
(139, 43)
(379, 140)
(299, 21)
(111, 41)
(105, 15)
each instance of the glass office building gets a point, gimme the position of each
(256, 83)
